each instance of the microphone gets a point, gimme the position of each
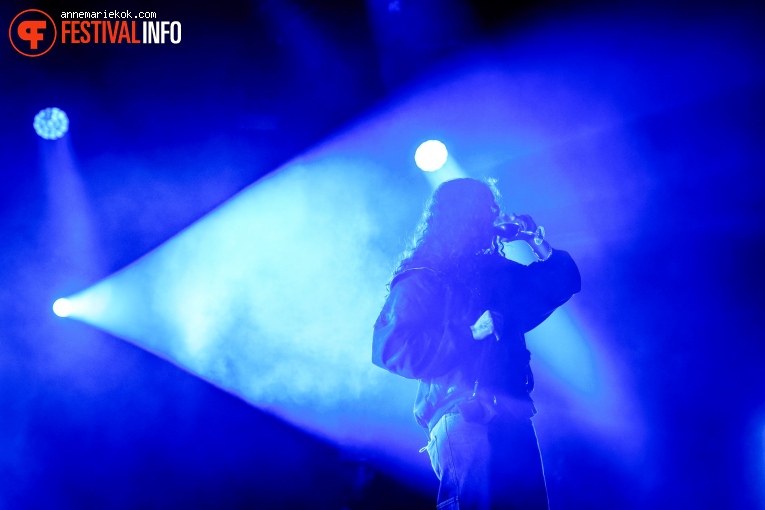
(507, 230)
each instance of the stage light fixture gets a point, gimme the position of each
(62, 307)
(51, 123)
(431, 155)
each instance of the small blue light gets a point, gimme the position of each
(431, 155)
(62, 307)
(51, 123)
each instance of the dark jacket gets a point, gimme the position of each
(423, 331)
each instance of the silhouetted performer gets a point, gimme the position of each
(455, 320)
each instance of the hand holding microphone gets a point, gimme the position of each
(522, 227)
(519, 228)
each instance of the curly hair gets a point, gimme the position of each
(456, 225)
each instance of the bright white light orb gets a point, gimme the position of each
(62, 307)
(51, 123)
(431, 155)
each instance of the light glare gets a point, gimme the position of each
(51, 123)
(62, 307)
(431, 155)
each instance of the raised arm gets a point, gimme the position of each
(538, 289)
(546, 285)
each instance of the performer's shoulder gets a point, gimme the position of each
(417, 276)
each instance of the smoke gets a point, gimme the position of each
(273, 295)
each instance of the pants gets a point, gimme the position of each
(487, 462)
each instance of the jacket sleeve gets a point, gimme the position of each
(411, 337)
(541, 287)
